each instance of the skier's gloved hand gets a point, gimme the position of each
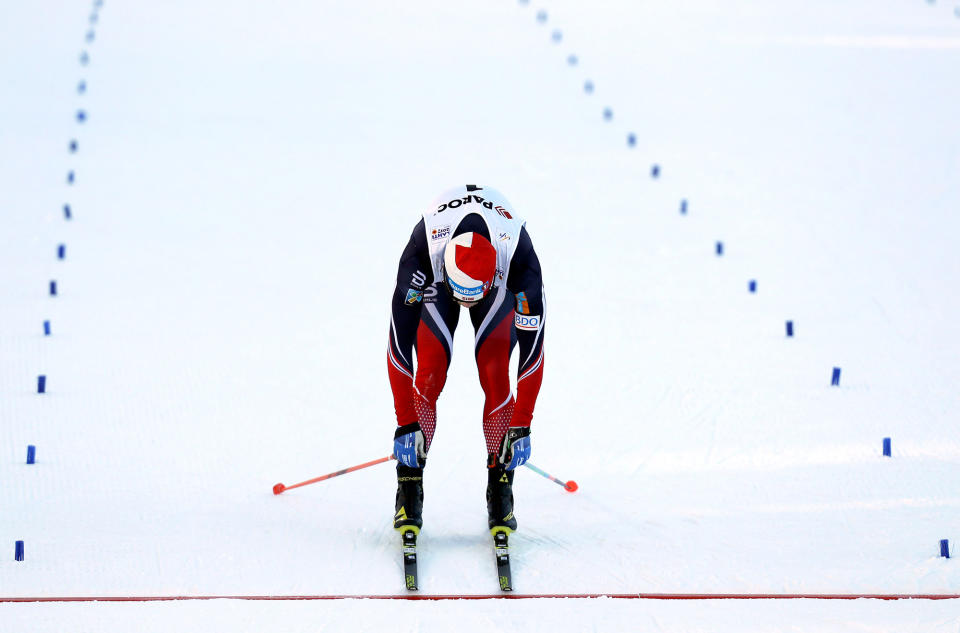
(515, 448)
(409, 447)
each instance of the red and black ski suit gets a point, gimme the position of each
(424, 316)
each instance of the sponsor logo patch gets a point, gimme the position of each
(504, 237)
(440, 232)
(529, 322)
(414, 296)
(522, 306)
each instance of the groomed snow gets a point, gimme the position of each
(244, 183)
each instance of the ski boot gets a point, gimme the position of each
(500, 499)
(409, 506)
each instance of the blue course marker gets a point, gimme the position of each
(62, 251)
(90, 35)
(607, 114)
(556, 36)
(81, 116)
(73, 146)
(572, 60)
(835, 379)
(752, 286)
(945, 548)
(541, 16)
(46, 328)
(66, 212)
(84, 58)
(789, 328)
(81, 87)
(70, 177)
(41, 384)
(655, 171)
(886, 447)
(18, 551)
(93, 18)
(588, 87)
(719, 248)
(31, 454)
(683, 207)
(631, 139)
(53, 288)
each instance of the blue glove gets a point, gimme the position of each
(409, 447)
(515, 449)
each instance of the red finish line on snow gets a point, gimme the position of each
(514, 596)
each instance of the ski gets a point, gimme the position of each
(501, 548)
(410, 558)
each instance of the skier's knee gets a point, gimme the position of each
(430, 381)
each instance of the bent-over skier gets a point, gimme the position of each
(470, 249)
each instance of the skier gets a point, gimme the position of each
(470, 249)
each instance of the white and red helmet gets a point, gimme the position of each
(470, 264)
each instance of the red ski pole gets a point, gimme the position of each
(280, 487)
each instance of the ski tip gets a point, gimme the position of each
(571, 486)
(278, 489)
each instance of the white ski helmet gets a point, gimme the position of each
(470, 264)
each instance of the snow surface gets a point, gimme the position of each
(245, 182)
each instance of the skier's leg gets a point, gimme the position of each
(495, 338)
(493, 321)
(434, 344)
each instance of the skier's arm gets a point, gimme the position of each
(526, 282)
(414, 274)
